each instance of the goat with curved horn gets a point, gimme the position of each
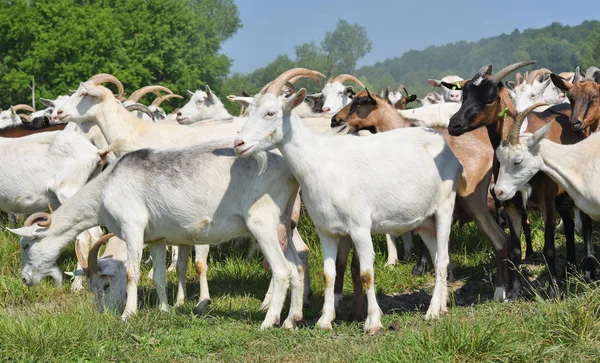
(42, 219)
(159, 100)
(513, 134)
(534, 75)
(141, 108)
(92, 265)
(137, 95)
(105, 77)
(348, 77)
(23, 107)
(498, 77)
(591, 71)
(277, 85)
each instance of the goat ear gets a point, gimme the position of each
(349, 91)
(46, 102)
(434, 82)
(561, 83)
(539, 135)
(13, 112)
(28, 232)
(190, 92)
(411, 98)
(545, 84)
(294, 100)
(93, 91)
(451, 86)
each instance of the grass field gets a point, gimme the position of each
(48, 323)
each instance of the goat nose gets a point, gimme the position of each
(237, 143)
(179, 113)
(498, 192)
(326, 109)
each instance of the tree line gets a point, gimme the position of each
(177, 43)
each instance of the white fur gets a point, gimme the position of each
(330, 168)
(448, 94)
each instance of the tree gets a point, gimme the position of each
(62, 42)
(346, 45)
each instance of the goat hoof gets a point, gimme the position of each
(419, 270)
(289, 323)
(391, 263)
(324, 323)
(202, 305)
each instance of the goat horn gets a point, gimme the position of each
(79, 254)
(164, 98)
(141, 108)
(537, 73)
(295, 78)
(515, 130)
(93, 257)
(105, 77)
(22, 107)
(498, 77)
(137, 95)
(23, 116)
(37, 216)
(288, 85)
(589, 74)
(348, 77)
(577, 77)
(276, 86)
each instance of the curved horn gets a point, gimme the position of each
(402, 88)
(23, 116)
(533, 75)
(82, 261)
(137, 95)
(22, 107)
(37, 218)
(497, 77)
(105, 77)
(348, 77)
(164, 98)
(92, 267)
(513, 134)
(295, 78)
(566, 75)
(589, 74)
(141, 108)
(276, 86)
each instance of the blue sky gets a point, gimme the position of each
(270, 27)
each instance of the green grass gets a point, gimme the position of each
(49, 323)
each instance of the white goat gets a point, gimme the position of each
(336, 96)
(432, 98)
(11, 118)
(92, 103)
(536, 87)
(203, 105)
(152, 195)
(44, 170)
(450, 91)
(330, 168)
(437, 115)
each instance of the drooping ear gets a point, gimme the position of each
(92, 91)
(371, 99)
(561, 83)
(349, 91)
(46, 102)
(539, 135)
(244, 101)
(294, 100)
(434, 82)
(209, 94)
(452, 86)
(411, 98)
(28, 232)
(190, 92)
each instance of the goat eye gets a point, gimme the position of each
(106, 286)
(518, 162)
(271, 113)
(25, 247)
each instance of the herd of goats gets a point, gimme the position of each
(486, 150)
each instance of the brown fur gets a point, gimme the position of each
(15, 132)
(585, 104)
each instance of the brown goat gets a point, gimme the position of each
(585, 103)
(474, 150)
(485, 101)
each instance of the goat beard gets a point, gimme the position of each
(261, 158)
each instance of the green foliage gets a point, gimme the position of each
(175, 43)
(557, 47)
(346, 45)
